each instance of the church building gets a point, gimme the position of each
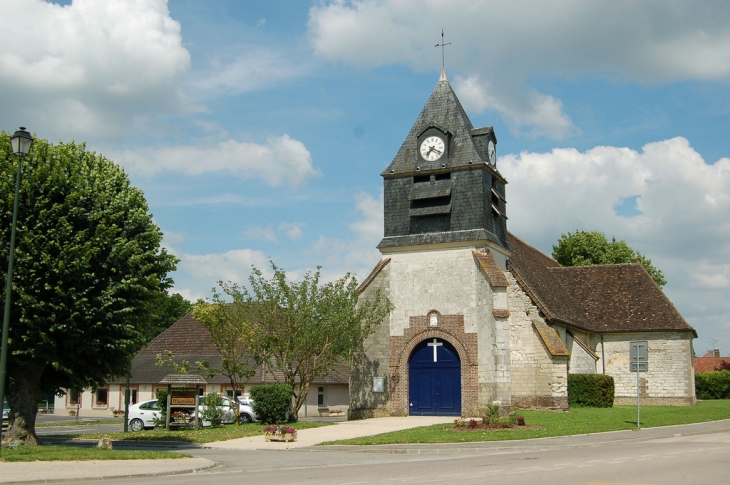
(481, 317)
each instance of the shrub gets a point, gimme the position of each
(213, 411)
(713, 385)
(491, 413)
(590, 390)
(161, 419)
(271, 401)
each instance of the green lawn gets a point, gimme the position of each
(576, 421)
(67, 453)
(204, 435)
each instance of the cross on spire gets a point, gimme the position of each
(442, 45)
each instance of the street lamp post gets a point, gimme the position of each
(20, 143)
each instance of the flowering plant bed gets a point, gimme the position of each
(483, 424)
(277, 432)
(180, 416)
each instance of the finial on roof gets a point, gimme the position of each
(443, 75)
(443, 65)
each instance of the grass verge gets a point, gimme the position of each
(576, 421)
(66, 453)
(204, 435)
(84, 422)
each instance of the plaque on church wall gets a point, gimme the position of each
(378, 384)
(434, 320)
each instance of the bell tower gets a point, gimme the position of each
(443, 185)
(444, 350)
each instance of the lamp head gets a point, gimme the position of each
(21, 142)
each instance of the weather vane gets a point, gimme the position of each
(443, 66)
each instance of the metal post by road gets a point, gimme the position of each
(126, 406)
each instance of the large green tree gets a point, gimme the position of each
(88, 263)
(299, 330)
(584, 248)
(164, 310)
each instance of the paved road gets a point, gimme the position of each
(669, 456)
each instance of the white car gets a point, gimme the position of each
(247, 415)
(143, 415)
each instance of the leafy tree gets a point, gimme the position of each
(88, 263)
(232, 339)
(164, 310)
(584, 248)
(300, 330)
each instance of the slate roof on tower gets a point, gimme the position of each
(604, 298)
(443, 110)
(451, 193)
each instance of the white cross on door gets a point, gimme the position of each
(435, 344)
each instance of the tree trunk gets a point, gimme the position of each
(23, 395)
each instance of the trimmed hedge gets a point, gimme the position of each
(590, 390)
(713, 385)
(271, 402)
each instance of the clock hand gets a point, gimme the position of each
(438, 152)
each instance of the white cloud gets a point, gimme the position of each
(500, 46)
(261, 234)
(677, 193)
(234, 265)
(189, 295)
(88, 69)
(358, 254)
(540, 114)
(280, 160)
(260, 69)
(293, 230)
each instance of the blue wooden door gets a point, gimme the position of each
(434, 380)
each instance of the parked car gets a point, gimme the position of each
(6, 415)
(143, 415)
(228, 414)
(247, 415)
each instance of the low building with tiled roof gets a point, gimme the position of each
(189, 340)
(712, 362)
(481, 317)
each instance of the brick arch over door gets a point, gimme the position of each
(450, 329)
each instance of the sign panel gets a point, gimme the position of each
(378, 384)
(184, 398)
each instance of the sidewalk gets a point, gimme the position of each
(342, 430)
(72, 471)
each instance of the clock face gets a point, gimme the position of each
(492, 153)
(432, 148)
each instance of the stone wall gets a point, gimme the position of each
(582, 360)
(539, 380)
(450, 281)
(372, 361)
(670, 376)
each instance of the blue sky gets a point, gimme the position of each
(259, 129)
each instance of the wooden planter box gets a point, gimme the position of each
(281, 437)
